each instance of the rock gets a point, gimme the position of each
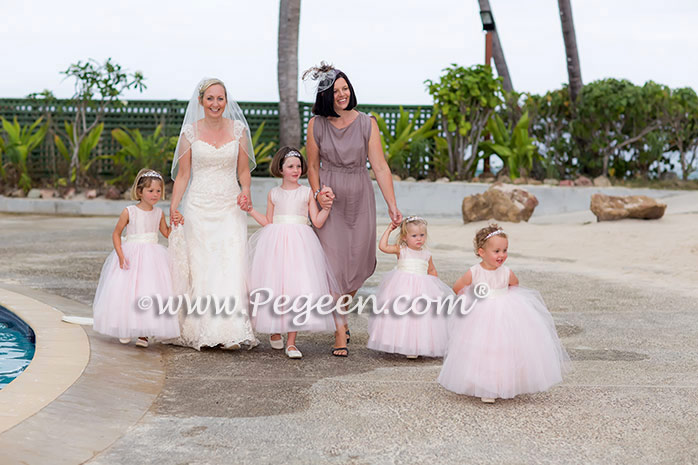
(112, 193)
(127, 195)
(550, 182)
(410, 179)
(18, 193)
(501, 202)
(583, 181)
(48, 193)
(486, 175)
(519, 181)
(91, 194)
(396, 178)
(503, 178)
(611, 207)
(602, 181)
(424, 180)
(444, 179)
(68, 192)
(34, 194)
(566, 183)
(535, 182)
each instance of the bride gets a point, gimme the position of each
(212, 161)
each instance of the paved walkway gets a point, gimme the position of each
(633, 395)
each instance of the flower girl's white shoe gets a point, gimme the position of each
(277, 344)
(293, 352)
(142, 342)
(487, 400)
(124, 340)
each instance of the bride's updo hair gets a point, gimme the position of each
(208, 83)
(278, 162)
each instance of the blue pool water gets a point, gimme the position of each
(16, 346)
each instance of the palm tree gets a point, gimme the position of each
(574, 70)
(498, 53)
(287, 72)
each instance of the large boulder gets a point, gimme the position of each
(611, 207)
(502, 202)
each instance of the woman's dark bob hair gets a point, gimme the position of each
(278, 162)
(324, 102)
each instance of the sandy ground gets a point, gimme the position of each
(622, 295)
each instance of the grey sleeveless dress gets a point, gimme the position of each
(349, 234)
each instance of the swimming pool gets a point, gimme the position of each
(16, 346)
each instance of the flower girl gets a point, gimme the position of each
(401, 325)
(507, 344)
(137, 269)
(287, 259)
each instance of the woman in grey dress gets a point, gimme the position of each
(339, 141)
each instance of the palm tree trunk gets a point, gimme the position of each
(498, 53)
(574, 70)
(287, 71)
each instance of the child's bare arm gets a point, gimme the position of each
(164, 227)
(432, 269)
(383, 245)
(116, 238)
(463, 281)
(513, 280)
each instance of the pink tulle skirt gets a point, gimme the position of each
(394, 328)
(116, 310)
(288, 260)
(507, 345)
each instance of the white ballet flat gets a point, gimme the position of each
(293, 352)
(124, 340)
(412, 357)
(233, 346)
(277, 344)
(487, 400)
(142, 342)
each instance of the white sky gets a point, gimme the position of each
(387, 47)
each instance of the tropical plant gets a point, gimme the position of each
(681, 121)
(612, 114)
(20, 142)
(97, 86)
(88, 142)
(513, 145)
(465, 99)
(262, 150)
(407, 138)
(137, 151)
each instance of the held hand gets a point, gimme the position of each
(176, 218)
(123, 263)
(328, 191)
(395, 216)
(244, 201)
(392, 226)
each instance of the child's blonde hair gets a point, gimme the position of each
(415, 220)
(145, 178)
(485, 234)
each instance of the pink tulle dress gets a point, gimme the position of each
(286, 258)
(115, 308)
(506, 345)
(393, 327)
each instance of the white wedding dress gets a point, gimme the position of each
(209, 253)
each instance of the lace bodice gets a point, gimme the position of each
(290, 202)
